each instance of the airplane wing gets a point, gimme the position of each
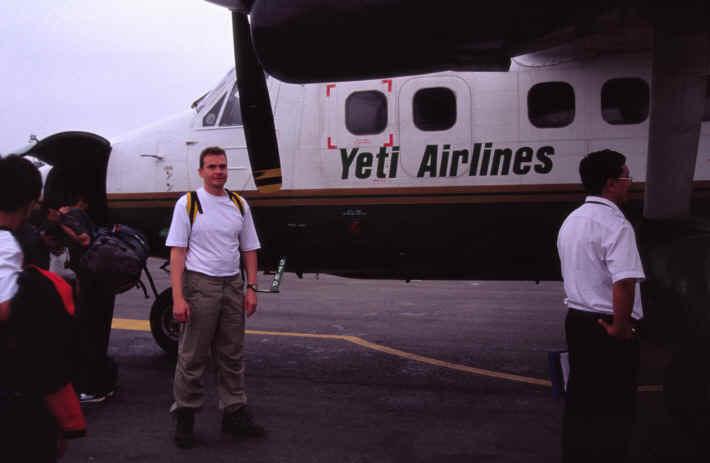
(321, 40)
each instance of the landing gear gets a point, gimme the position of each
(165, 329)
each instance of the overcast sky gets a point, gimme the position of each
(105, 67)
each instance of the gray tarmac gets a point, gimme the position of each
(345, 370)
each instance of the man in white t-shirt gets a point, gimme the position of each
(601, 269)
(209, 299)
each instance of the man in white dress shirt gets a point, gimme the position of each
(601, 269)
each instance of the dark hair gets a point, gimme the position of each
(20, 183)
(211, 151)
(599, 166)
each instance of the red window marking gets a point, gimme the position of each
(389, 84)
(391, 142)
(327, 89)
(331, 146)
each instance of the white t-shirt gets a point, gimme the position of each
(597, 248)
(10, 265)
(217, 236)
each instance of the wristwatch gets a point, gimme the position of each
(254, 287)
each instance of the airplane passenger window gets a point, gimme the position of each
(434, 109)
(625, 101)
(551, 104)
(232, 113)
(210, 118)
(366, 112)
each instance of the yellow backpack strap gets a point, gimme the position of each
(193, 206)
(237, 200)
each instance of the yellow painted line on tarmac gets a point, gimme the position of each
(415, 357)
(128, 324)
(452, 366)
(296, 335)
(144, 325)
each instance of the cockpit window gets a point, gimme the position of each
(232, 112)
(199, 104)
(366, 112)
(210, 118)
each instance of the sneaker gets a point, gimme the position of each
(85, 399)
(184, 437)
(240, 424)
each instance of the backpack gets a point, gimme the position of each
(44, 351)
(116, 257)
(45, 333)
(193, 204)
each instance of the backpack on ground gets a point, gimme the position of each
(116, 257)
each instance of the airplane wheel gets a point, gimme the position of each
(165, 329)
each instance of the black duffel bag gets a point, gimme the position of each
(116, 257)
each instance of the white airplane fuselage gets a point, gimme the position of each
(478, 192)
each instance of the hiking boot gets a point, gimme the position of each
(241, 425)
(184, 437)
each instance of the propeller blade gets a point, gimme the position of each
(259, 129)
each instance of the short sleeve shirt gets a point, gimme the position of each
(597, 248)
(10, 265)
(216, 237)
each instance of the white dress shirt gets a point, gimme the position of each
(597, 248)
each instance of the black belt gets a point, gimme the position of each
(635, 324)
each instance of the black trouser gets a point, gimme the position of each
(28, 432)
(97, 373)
(601, 392)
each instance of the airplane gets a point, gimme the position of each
(416, 177)
(319, 41)
(402, 141)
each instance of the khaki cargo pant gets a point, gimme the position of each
(216, 329)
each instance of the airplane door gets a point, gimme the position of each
(360, 119)
(221, 125)
(434, 121)
(354, 99)
(233, 142)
